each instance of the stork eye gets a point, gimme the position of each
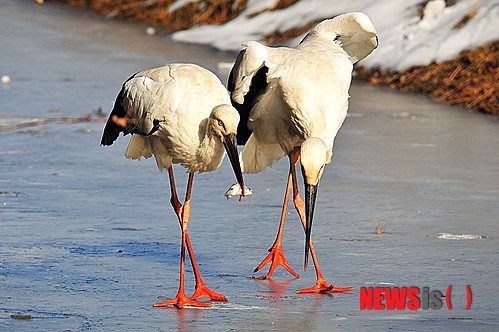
(220, 123)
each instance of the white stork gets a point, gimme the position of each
(179, 113)
(293, 101)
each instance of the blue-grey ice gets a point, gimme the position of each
(88, 239)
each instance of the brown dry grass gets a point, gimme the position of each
(470, 80)
(279, 37)
(155, 12)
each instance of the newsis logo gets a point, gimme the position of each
(411, 298)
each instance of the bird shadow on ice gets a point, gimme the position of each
(274, 290)
(156, 251)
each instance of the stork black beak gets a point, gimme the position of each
(310, 195)
(230, 144)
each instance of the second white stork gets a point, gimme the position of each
(179, 113)
(293, 101)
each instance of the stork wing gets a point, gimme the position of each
(247, 81)
(138, 98)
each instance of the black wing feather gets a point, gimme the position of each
(257, 88)
(111, 130)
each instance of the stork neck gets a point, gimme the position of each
(210, 153)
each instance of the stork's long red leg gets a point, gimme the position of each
(183, 213)
(201, 289)
(321, 284)
(276, 255)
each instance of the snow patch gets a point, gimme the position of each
(406, 37)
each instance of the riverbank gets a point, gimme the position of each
(467, 80)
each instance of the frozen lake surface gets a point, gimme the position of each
(88, 239)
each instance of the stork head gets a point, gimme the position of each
(313, 154)
(224, 120)
(223, 123)
(354, 32)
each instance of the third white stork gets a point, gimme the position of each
(293, 101)
(179, 113)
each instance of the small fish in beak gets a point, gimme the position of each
(236, 190)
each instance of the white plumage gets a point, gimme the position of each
(293, 101)
(307, 91)
(180, 97)
(179, 113)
